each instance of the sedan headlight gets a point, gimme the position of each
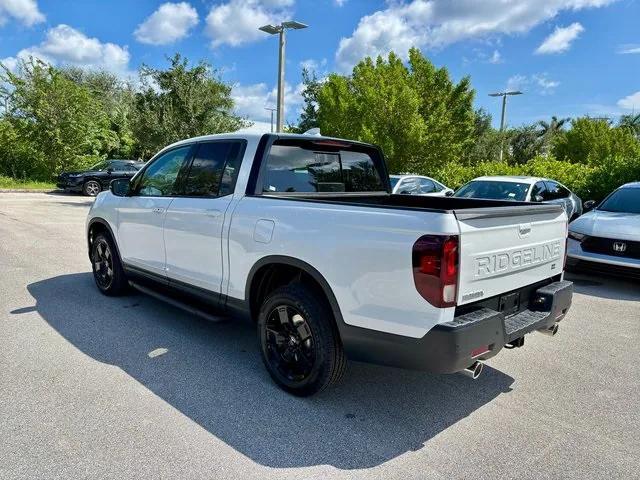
(577, 236)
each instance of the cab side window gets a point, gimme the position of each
(214, 169)
(557, 191)
(427, 186)
(409, 186)
(160, 179)
(539, 192)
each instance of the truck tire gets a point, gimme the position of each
(300, 344)
(91, 188)
(107, 267)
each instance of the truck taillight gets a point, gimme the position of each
(435, 269)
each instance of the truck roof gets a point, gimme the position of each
(255, 136)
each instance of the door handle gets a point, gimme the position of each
(158, 210)
(213, 212)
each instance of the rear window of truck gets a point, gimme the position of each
(303, 166)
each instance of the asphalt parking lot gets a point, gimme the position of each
(97, 387)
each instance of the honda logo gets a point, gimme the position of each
(619, 247)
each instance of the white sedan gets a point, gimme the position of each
(418, 185)
(607, 239)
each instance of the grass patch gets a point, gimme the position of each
(12, 183)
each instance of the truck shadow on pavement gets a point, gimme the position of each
(213, 374)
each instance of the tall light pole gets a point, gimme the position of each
(280, 30)
(271, 109)
(504, 109)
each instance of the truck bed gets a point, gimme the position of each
(429, 203)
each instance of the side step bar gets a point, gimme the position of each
(178, 303)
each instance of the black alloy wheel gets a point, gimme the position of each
(107, 268)
(299, 340)
(103, 264)
(290, 345)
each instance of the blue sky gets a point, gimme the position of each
(570, 57)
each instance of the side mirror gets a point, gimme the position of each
(538, 198)
(589, 205)
(109, 170)
(448, 193)
(120, 187)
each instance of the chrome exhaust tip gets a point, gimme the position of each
(474, 370)
(551, 331)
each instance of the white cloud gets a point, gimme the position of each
(170, 22)
(339, 3)
(236, 22)
(545, 85)
(560, 40)
(25, 11)
(68, 46)
(630, 102)
(495, 57)
(539, 82)
(251, 101)
(436, 23)
(313, 65)
(10, 63)
(629, 49)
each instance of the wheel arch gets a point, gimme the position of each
(263, 271)
(97, 225)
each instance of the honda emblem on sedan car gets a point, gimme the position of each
(619, 247)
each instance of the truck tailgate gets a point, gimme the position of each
(506, 248)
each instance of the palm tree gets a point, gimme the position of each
(632, 122)
(548, 129)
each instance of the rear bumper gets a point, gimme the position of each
(447, 348)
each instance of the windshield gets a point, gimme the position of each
(99, 166)
(394, 181)
(494, 190)
(625, 200)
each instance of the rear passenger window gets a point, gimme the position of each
(214, 169)
(557, 191)
(427, 186)
(308, 167)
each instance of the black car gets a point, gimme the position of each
(97, 178)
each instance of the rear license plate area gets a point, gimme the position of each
(509, 304)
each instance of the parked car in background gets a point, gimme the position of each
(97, 178)
(523, 189)
(418, 185)
(607, 238)
(302, 235)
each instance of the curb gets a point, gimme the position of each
(29, 190)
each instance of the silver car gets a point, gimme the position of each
(418, 185)
(523, 189)
(607, 239)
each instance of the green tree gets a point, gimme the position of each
(181, 102)
(117, 99)
(591, 141)
(51, 122)
(414, 112)
(525, 143)
(309, 115)
(486, 140)
(631, 122)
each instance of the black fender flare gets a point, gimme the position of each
(101, 221)
(305, 267)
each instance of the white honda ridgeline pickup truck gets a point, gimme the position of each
(301, 235)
